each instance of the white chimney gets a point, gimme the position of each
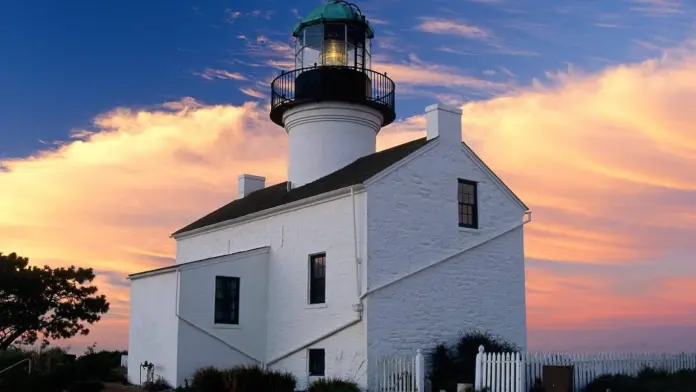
(444, 121)
(248, 183)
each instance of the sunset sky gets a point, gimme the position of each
(121, 122)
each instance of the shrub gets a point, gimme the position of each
(254, 379)
(98, 365)
(333, 385)
(648, 380)
(118, 374)
(457, 364)
(209, 379)
(86, 386)
(157, 385)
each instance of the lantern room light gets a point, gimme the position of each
(334, 53)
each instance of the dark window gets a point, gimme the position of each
(316, 361)
(468, 211)
(226, 300)
(317, 278)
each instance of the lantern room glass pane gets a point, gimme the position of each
(335, 32)
(368, 52)
(313, 41)
(350, 50)
(299, 44)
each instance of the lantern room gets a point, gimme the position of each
(336, 34)
(333, 64)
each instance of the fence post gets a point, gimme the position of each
(420, 372)
(478, 380)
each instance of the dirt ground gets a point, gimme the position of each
(120, 388)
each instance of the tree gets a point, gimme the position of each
(45, 302)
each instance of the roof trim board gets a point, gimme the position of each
(195, 263)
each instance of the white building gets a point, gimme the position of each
(359, 254)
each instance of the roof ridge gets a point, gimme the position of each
(276, 195)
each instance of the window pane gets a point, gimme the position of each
(314, 35)
(226, 300)
(316, 362)
(368, 50)
(335, 32)
(317, 282)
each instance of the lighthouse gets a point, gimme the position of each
(332, 105)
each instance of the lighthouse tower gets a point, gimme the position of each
(332, 105)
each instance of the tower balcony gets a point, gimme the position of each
(333, 83)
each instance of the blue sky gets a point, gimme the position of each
(62, 63)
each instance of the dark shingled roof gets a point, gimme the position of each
(273, 196)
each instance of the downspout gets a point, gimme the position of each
(358, 276)
(358, 307)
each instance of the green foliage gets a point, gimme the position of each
(648, 380)
(157, 385)
(118, 375)
(457, 363)
(254, 378)
(56, 370)
(100, 365)
(241, 379)
(209, 379)
(333, 385)
(45, 302)
(86, 386)
(537, 386)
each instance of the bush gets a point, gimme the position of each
(118, 374)
(86, 386)
(157, 385)
(648, 380)
(457, 364)
(254, 379)
(98, 365)
(333, 385)
(209, 379)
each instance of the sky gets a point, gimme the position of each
(121, 122)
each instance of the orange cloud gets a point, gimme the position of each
(605, 161)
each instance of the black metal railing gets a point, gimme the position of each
(333, 83)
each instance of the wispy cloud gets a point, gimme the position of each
(232, 15)
(416, 72)
(450, 27)
(211, 74)
(253, 93)
(657, 7)
(377, 21)
(457, 28)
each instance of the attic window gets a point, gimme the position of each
(468, 204)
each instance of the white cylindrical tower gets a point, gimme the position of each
(332, 105)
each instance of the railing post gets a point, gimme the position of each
(478, 378)
(420, 371)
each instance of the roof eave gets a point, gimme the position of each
(175, 267)
(338, 193)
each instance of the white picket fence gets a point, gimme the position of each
(400, 374)
(513, 372)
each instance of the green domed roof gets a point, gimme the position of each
(334, 11)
